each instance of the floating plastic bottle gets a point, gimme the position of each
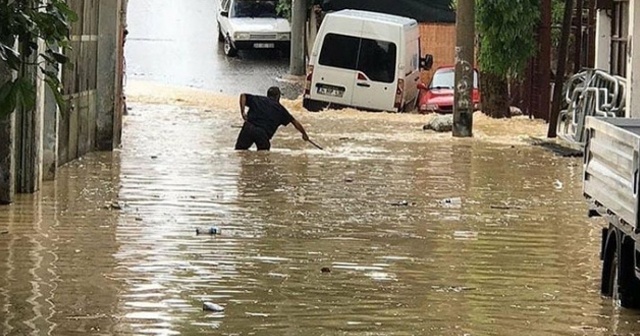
(212, 231)
(214, 307)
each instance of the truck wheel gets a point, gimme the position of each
(228, 48)
(628, 283)
(611, 278)
(609, 264)
(618, 272)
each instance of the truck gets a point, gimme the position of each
(610, 184)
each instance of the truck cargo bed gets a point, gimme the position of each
(612, 154)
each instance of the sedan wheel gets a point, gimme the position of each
(229, 50)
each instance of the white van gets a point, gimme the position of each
(366, 60)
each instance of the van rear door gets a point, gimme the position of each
(376, 77)
(335, 72)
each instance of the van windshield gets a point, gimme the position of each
(253, 9)
(375, 58)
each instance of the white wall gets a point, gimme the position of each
(603, 40)
(633, 61)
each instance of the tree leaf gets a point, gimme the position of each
(60, 58)
(64, 9)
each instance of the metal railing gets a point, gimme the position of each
(591, 92)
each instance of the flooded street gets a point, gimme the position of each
(182, 37)
(390, 230)
(422, 234)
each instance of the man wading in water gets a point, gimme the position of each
(263, 119)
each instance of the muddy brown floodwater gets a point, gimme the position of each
(389, 231)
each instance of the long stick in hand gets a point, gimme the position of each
(315, 144)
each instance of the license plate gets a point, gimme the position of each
(263, 45)
(330, 92)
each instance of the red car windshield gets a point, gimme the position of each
(445, 78)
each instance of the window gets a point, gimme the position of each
(253, 9)
(412, 60)
(340, 51)
(376, 59)
(620, 31)
(225, 5)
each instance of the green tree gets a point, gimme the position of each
(506, 37)
(26, 22)
(284, 8)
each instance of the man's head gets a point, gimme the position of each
(274, 93)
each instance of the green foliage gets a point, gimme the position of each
(27, 21)
(284, 8)
(506, 30)
(557, 15)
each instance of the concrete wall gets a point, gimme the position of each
(34, 143)
(603, 40)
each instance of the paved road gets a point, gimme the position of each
(175, 42)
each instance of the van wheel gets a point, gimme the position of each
(313, 105)
(228, 48)
(220, 36)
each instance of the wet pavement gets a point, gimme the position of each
(175, 42)
(417, 233)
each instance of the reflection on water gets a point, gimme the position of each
(417, 233)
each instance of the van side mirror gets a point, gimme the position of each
(224, 13)
(426, 62)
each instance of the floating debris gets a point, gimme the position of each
(451, 202)
(4, 232)
(348, 179)
(557, 184)
(455, 289)
(154, 157)
(214, 307)
(212, 231)
(401, 203)
(325, 270)
(115, 205)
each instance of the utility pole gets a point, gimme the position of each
(7, 157)
(463, 91)
(562, 63)
(543, 75)
(298, 21)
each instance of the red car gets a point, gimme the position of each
(438, 96)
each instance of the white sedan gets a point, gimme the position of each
(252, 24)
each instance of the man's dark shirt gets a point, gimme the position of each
(266, 113)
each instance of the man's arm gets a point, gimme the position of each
(300, 129)
(243, 103)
